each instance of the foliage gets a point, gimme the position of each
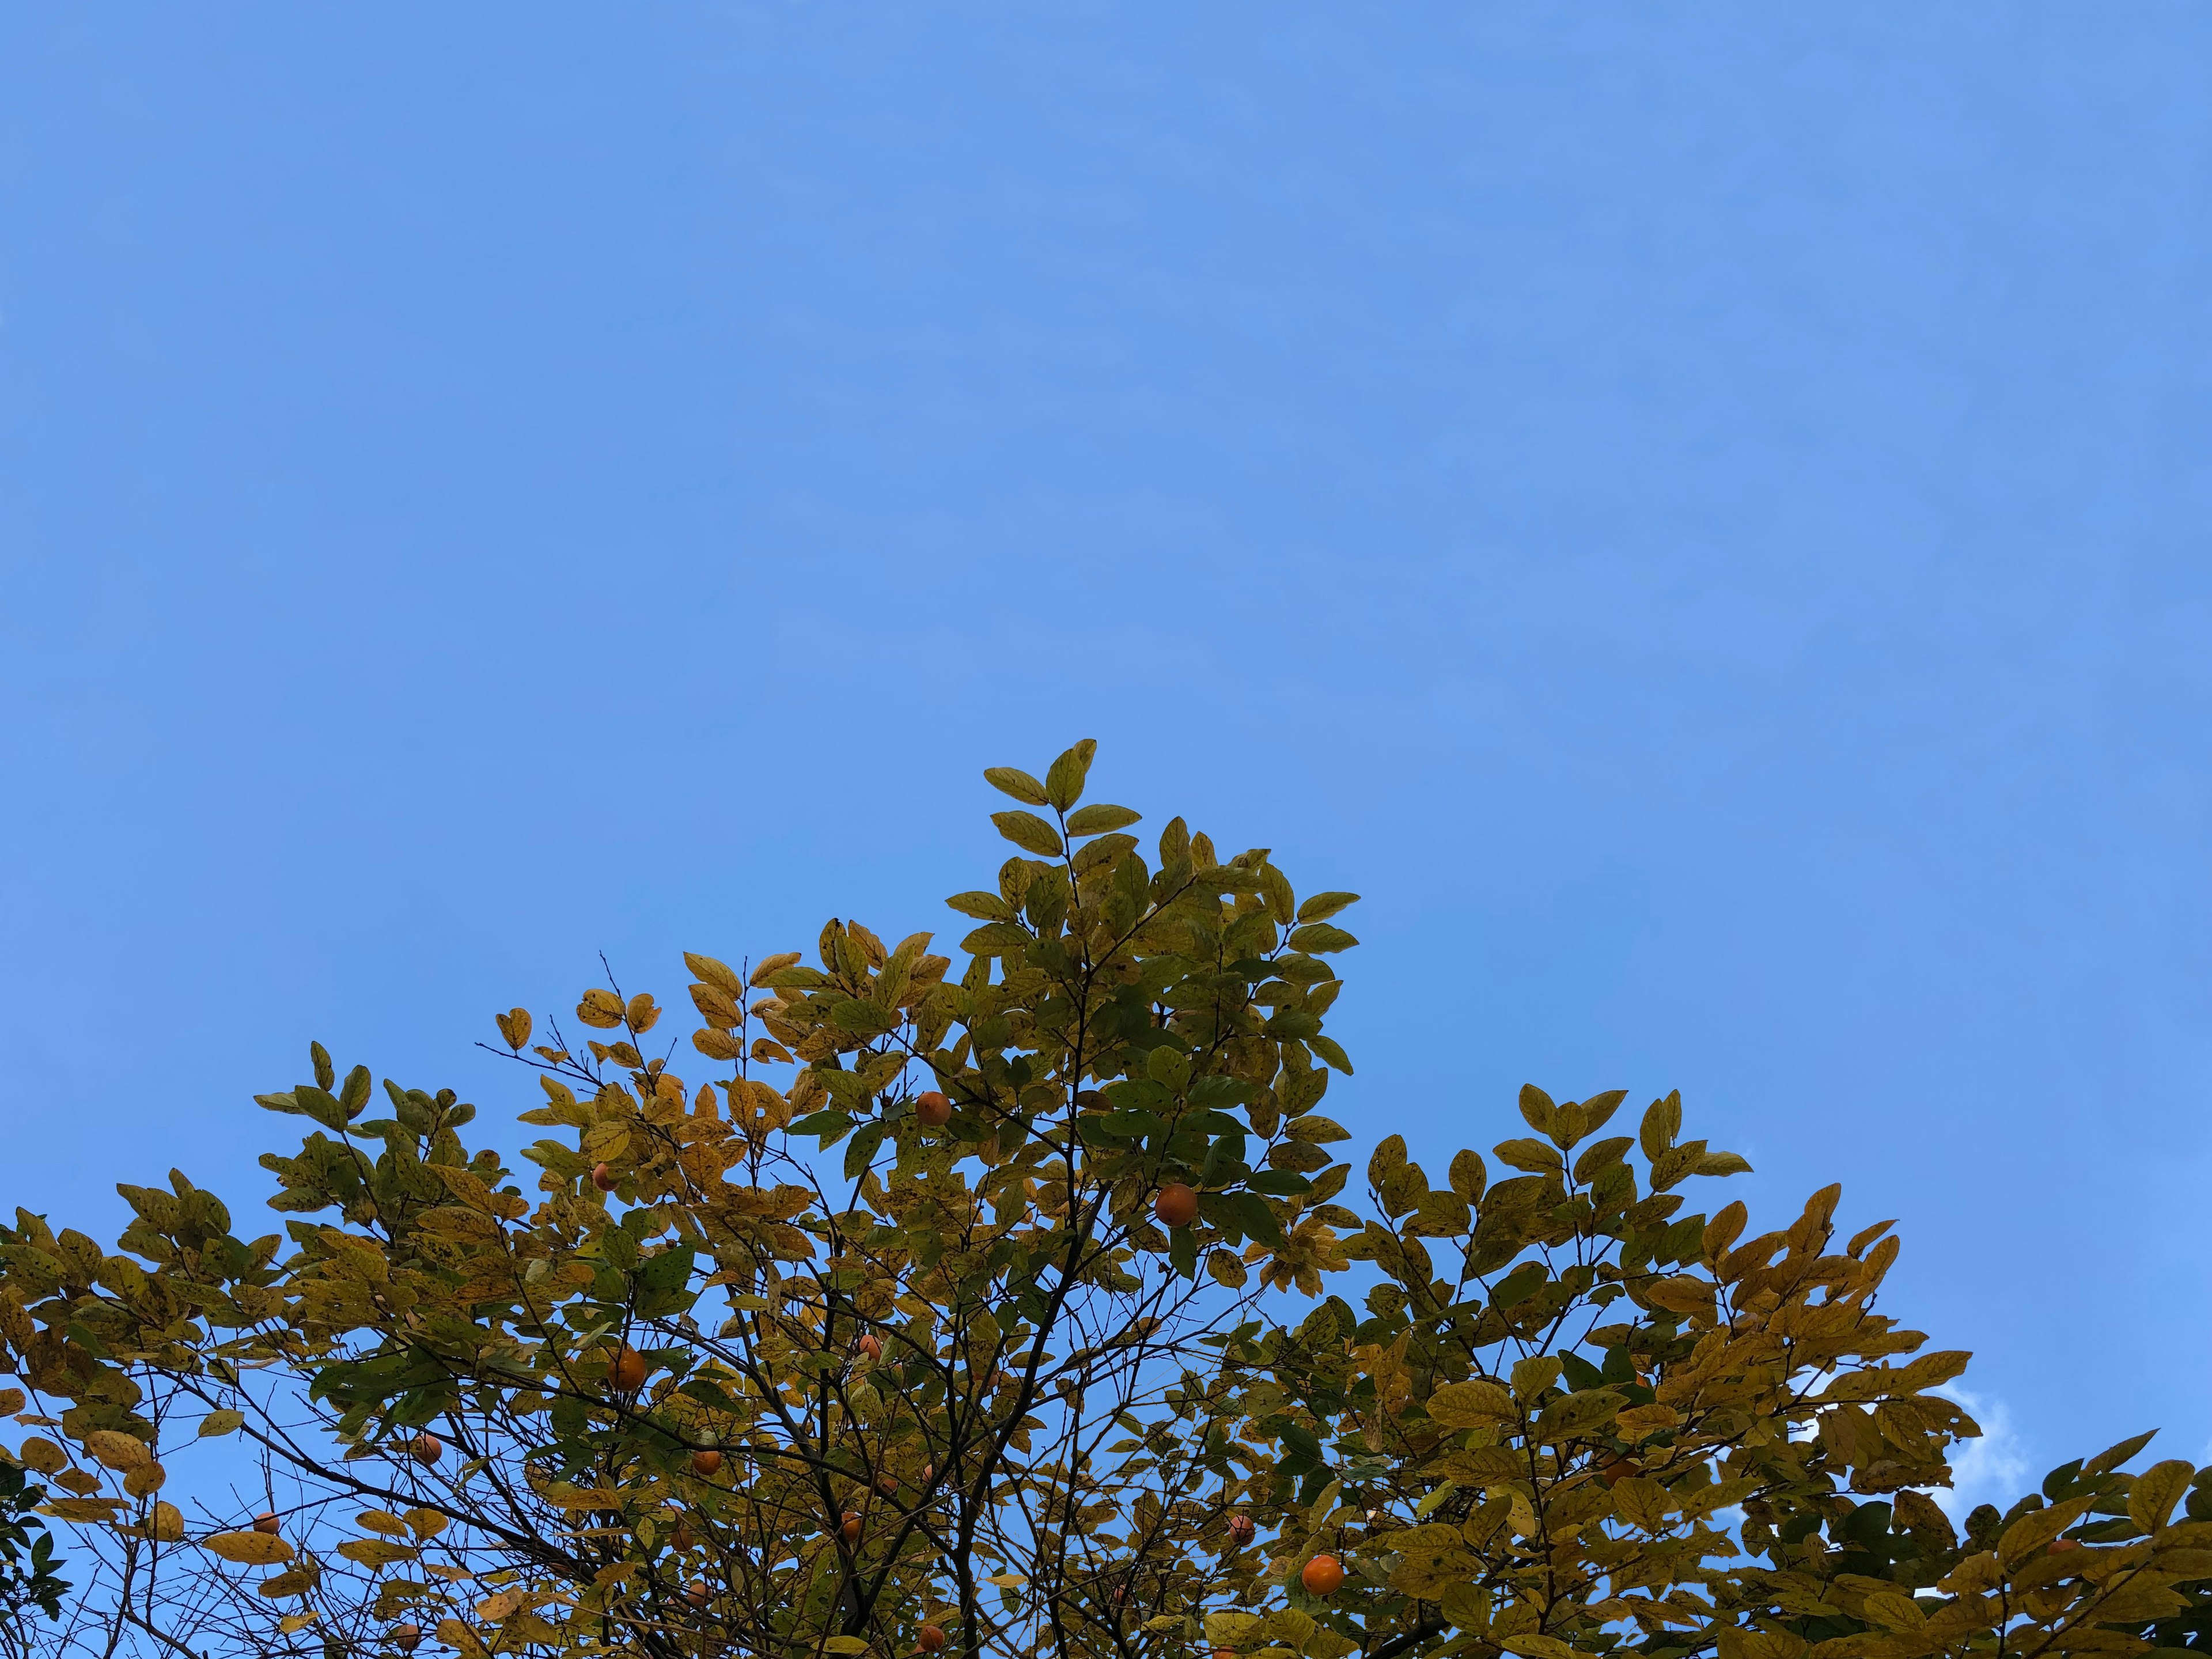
(891, 1333)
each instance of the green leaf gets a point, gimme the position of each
(2112, 1456)
(1096, 820)
(984, 906)
(1321, 906)
(860, 1015)
(863, 1149)
(1063, 782)
(1662, 1121)
(222, 1422)
(1721, 1163)
(1028, 832)
(1013, 781)
(1317, 938)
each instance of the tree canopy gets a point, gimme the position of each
(1016, 1302)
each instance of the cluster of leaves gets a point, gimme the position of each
(893, 1333)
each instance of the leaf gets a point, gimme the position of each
(1474, 1404)
(1536, 1647)
(1064, 778)
(1537, 1110)
(1028, 832)
(375, 1552)
(1721, 1164)
(1537, 1157)
(1013, 781)
(844, 1645)
(381, 1521)
(1316, 1128)
(225, 1421)
(248, 1549)
(1319, 938)
(2151, 1499)
(1468, 1176)
(2027, 1535)
(2112, 1456)
(984, 906)
(1096, 820)
(1321, 906)
(166, 1524)
(83, 1509)
(1662, 1121)
(514, 1026)
(1327, 1049)
(117, 1451)
(293, 1623)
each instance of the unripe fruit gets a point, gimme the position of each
(930, 1638)
(603, 1177)
(426, 1448)
(1176, 1205)
(869, 1348)
(852, 1528)
(406, 1638)
(1322, 1576)
(933, 1111)
(1240, 1530)
(628, 1371)
(267, 1522)
(705, 1464)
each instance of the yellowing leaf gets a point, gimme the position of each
(844, 1644)
(42, 1454)
(374, 1552)
(292, 1623)
(381, 1521)
(223, 1422)
(2152, 1497)
(1472, 1404)
(425, 1523)
(84, 1508)
(248, 1549)
(166, 1524)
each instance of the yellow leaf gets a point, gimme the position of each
(2152, 1497)
(493, 1608)
(293, 1623)
(119, 1452)
(146, 1480)
(248, 1549)
(381, 1521)
(844, 1644)
(374, 1552)
(84, 1508)
(222, 1422)
(1471, 1405)
(41, 1455)
(425, 1523)
(166, 1524)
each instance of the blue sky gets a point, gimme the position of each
(1697, 512)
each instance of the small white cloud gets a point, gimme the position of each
(1991, 1470)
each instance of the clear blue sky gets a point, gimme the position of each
(1697, 512)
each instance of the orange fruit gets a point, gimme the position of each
(1176, 1205)
(930, 1638)
(852, 1528)
(869, 1346)
(1240, 1530)
(705, 1464)
(406, 1638)
(1322, 1576)
(627, 1373)
(426, 1448)
(696, 1594)
(933, 1111)
(267, 1522)
(683, 1538)
(603, 1177)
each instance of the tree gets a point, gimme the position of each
(994, 1314)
